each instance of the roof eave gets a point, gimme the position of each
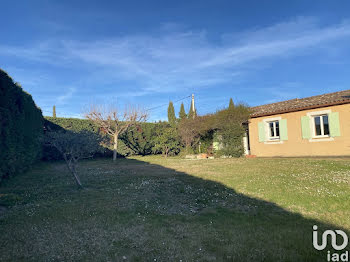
(299, 109)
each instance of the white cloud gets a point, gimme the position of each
(181, 60)
(63, 99)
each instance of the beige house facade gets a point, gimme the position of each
(313, 126)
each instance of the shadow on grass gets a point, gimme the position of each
(137, 211)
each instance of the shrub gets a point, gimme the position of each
(140, 138)
(225, 127)
(193, 130)
(166, 141)
(230, 130)
(21, 128)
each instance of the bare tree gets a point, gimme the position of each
(73, 147)
(114, 122)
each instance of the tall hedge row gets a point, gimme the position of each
(72, 124)
(21, 128)
(60, 124)
(138, 140)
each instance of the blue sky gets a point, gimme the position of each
(74, 53)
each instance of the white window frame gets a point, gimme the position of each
(275, 137)
(273, 140)
(321, 125)
(314, 137)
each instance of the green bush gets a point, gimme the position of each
(225, 127)
(21, 128)
(78, 125)
(72, 124)
(206, 143)
(166, 141)
(75, 125)
(230, 129)
(140, 138)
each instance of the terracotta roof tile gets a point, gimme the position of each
(292, 105)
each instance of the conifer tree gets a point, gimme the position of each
(171, 114)
(182, 113)
(54, 111)
(231, 104)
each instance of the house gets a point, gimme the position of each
(312, 126)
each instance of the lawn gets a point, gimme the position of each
(156, 209)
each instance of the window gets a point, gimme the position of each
(321, 126)
(274, 130)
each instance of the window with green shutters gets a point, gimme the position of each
(320, 125)
(273, 130)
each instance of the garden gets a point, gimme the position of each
(156, 209)
(114, 187)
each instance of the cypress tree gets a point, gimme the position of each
(54, 112)
(171, 114)
(231, 104)
(182, 113)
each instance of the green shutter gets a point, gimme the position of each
(283, 129)
(261, 127)
(334, 128)
(305, 127)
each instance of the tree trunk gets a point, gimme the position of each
(77, 179)
(71, 168)
(115, 146)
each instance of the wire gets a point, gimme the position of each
(149, 109)
(152, 108)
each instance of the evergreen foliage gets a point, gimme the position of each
(21, 128)
(166, 141)
(225, 126)
(171, 114)
(54, 112)
(140, 138)
(182, 113)
(191, 131)
(230, 128)
(77, 125)
(231, 104)
(72, 124)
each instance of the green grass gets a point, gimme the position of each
(156, 209)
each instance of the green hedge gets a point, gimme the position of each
(71, 124)
(138, 140)
(21, 128)
(77, 125)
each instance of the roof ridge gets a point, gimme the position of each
(348, 90)
(290, 105)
